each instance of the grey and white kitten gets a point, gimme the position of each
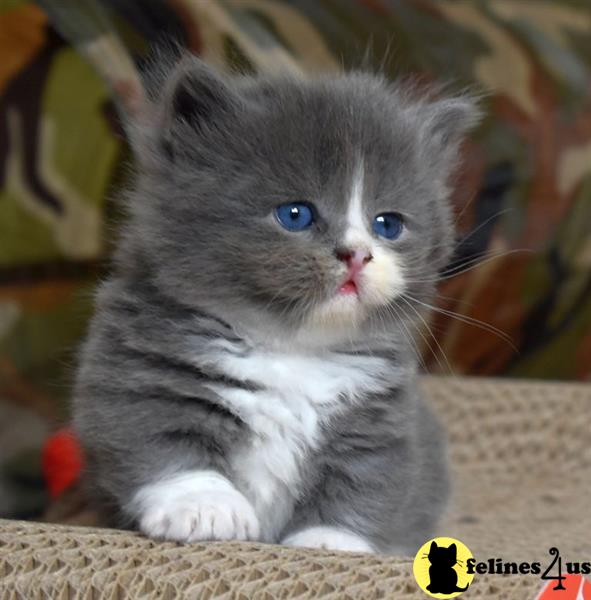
(249, 372)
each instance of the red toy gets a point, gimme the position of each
(62, 461)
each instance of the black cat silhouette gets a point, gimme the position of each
(442, 575)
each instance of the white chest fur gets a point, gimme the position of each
(298, 394)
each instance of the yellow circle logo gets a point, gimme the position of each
(440, 567)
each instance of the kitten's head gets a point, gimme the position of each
(306, 209)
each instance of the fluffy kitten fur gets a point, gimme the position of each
(226, 389)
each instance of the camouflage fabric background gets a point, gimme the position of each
(523, 201)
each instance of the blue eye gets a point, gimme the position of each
(295, 216)
(388, 225)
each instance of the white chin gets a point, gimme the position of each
(343, 311)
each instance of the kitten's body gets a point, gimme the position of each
(227, 391)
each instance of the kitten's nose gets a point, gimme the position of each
(355, 258)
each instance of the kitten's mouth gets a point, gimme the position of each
(349, 287)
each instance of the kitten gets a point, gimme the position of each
(249, 373)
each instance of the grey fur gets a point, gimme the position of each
(201, 259)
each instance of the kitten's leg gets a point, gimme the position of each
(160, 465)
(382, 488)
(193, 506)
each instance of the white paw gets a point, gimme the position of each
(329, 538)
(196, 506)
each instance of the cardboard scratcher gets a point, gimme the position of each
(521, 457)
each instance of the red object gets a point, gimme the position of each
(577, 588)
(62, 461)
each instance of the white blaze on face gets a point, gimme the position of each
(357, 234)
(380, 280)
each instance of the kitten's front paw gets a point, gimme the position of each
(205, 516)
(195, 508)
(328, 538)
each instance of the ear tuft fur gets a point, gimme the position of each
(197, 93)
(442, 125)
(192, 98)
(447, 121)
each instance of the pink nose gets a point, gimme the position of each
(356, 259)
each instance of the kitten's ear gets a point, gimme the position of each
(434, 546)
(442, 125)
(447, 121)
(198, 95)
(453, 550)
(197, 99)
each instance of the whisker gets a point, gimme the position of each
(432, 336)
(456, 300)
(485, 222)
(407, 335)
(474, 263)
(418, 354)
(469, 321)
(466, 206)
(456, 244)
